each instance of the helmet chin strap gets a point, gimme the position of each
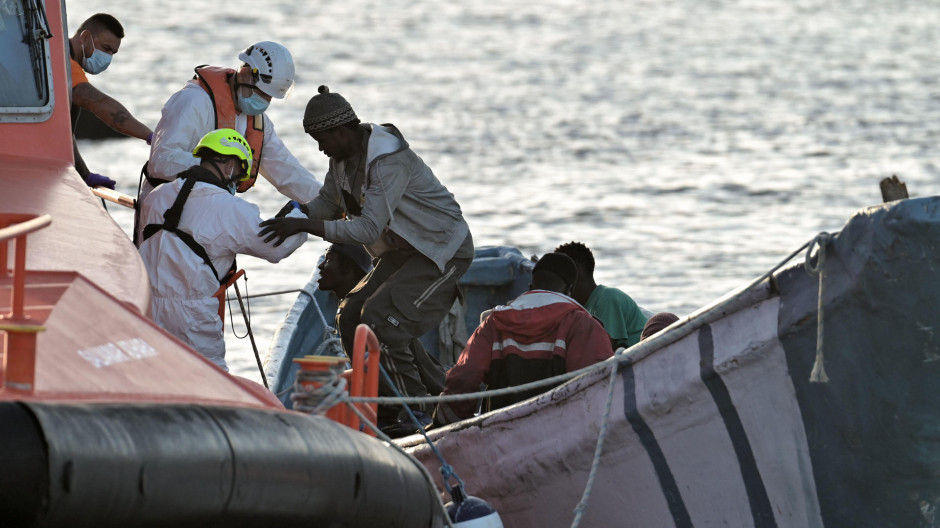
(226, 180)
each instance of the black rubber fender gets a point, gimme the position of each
(190, 465)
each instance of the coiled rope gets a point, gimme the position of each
(316, 391)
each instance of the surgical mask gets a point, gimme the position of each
(98, 62)
(253, 104)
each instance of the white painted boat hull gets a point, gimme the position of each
(714, 422)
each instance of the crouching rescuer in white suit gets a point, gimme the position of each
(194, 228)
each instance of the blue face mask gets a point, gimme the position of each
(253, 104)
(98, 62)
(232, 187)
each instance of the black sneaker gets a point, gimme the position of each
(405, 426)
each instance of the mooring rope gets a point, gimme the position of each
(269, 294)
(327, 388)
(818, 374)
(599, 448)
(331, 344)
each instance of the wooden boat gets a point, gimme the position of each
(107, 420)
(715, 420)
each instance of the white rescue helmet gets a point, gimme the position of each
(272, 66)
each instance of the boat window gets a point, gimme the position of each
(25, 65)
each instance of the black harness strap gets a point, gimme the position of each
(171, 220)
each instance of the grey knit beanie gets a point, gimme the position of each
(327, 110)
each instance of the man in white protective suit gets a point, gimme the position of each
(218, 97)
(194, 228)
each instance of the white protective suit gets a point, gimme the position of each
(187, 116)
(181, 284)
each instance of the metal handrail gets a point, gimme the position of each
(23, 228)
(20, 360)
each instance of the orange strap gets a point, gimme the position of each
(220, 293)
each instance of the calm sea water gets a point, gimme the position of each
(691, 144)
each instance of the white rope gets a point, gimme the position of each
(818, 374)
(331, 344)
(482, 394)
(319, 311)
(605, 420)
(323, 390)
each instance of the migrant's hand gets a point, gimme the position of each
(291, 205)
(280, 229)
(97, 180)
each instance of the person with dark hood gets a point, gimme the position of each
(342, 268)
(540, 334)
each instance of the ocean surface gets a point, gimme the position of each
(691, 144)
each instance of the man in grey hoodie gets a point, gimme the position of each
(380, 194)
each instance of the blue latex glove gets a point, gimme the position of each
(149, 139)
(97, 180)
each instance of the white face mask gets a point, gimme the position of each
(97, 62)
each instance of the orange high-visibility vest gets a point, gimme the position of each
(214, 80)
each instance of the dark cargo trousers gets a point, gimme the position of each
(403, 297)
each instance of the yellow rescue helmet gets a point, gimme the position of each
(227, 142)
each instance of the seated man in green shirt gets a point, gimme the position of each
(622, 318)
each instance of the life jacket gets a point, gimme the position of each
(214, 80)
(171, 218)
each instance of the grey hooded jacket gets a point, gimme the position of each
(399, 192)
